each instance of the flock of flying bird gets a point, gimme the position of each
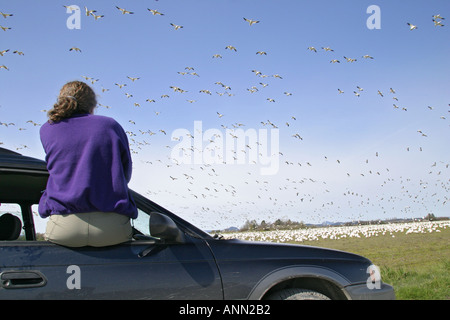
(269, 197)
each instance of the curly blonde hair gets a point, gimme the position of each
(74, 97)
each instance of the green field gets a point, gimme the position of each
(416, 265)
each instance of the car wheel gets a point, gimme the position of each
(297, 294)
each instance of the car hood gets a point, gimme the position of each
(266, 257)
(287, 250)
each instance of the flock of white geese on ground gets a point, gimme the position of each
(342, 232)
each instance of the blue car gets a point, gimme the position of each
(168, 258)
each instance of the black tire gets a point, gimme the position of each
(297, 294)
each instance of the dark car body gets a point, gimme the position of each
(172, 260)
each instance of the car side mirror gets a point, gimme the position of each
(163, 227)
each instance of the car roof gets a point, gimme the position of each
(15, 160)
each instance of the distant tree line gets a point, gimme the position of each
(279, 224)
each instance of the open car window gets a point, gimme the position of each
(5, 225)
(24, 188)
(141, 223)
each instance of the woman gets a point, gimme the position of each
(88, 157)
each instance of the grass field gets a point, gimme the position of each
(416, 264)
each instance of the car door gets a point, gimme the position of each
(139, 269)
(42, 270)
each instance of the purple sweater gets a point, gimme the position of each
(89, 162)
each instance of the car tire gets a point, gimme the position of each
(297, 294)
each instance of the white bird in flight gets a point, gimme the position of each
(411, 26)
(349, 59)
(176, 27)
(251, 22)
(155, 12)
(124, 11)
(89, 12)
(5, 15)
(437, 23)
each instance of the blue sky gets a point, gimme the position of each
(376, 176)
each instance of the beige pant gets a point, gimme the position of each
(96, 229)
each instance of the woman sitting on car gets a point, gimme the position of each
(87, 199)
